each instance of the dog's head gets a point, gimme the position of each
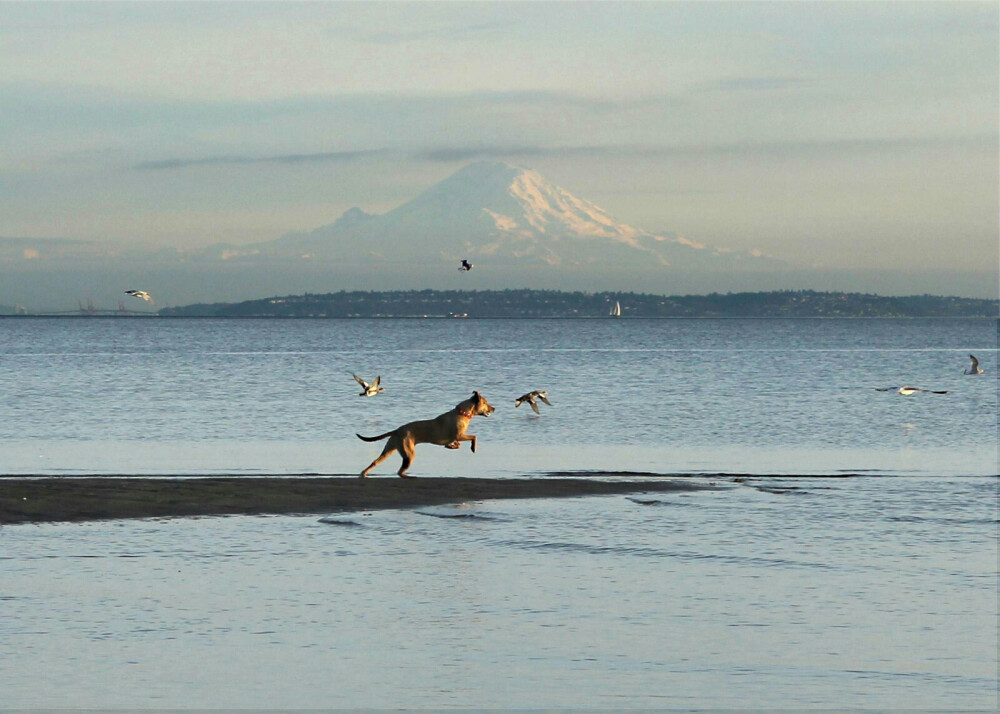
(476, 405)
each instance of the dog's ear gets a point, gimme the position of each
(477, 396)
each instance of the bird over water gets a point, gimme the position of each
(975, 368)
(530, 398)
(369, 390)
(141, 294)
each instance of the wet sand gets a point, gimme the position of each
(88, 498)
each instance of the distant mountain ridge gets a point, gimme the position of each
(554, 303)
(505, 216)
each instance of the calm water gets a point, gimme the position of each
(866, 579)
(272, 396)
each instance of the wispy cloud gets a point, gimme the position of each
(459, 154)
(754, 84)
(451, 32)
(799, 148)
(473, 153)
(806, 148)
(41, 108)
(286, 159)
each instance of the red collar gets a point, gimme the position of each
(467, 415)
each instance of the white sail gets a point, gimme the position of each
(616, 311)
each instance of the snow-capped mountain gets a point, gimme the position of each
(502, 215)
(518, 230)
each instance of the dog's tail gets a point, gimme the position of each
(374, 438)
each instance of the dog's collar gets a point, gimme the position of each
(467, 415)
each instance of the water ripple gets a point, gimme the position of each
(645, 552)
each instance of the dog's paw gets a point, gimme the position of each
(453, 445)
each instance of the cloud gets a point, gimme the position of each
(799, 149)
(455, 154)
(807, 148)
(473, 153)
(451, 32)
(461, 154)
(753, 84)
(285, 159)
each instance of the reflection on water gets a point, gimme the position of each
(810, 592)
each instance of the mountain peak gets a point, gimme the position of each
(475, 186)
(352, 217)
(486, 171)
(511, 199)
(504, 214)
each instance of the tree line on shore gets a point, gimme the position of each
(560, 304)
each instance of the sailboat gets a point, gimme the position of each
(616, 311)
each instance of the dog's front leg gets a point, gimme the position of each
(465, 437)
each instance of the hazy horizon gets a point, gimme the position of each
(857, 140)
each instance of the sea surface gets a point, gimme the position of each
(843, 552)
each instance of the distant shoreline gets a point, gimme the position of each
(528, 304)
(25, 500)
(555, 304)
(451, 318)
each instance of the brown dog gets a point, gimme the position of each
(447, 430)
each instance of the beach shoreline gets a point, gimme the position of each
(46, 499)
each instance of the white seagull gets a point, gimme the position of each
(907, 391)
(530, 399)
(466, 266)
(142, 294)
(975, 368)
(370, 390)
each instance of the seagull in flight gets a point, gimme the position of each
(975, 368)
(141, 294)
(530, 398)
(370, 390)
(907, 391)
(466, 266)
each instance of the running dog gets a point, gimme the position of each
(447, 430)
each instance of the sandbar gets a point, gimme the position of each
(39, 499)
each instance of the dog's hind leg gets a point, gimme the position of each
(386, 453)
(407, 451)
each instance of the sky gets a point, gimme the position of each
(849, 135)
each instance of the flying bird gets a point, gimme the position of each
(142, 294)
(975, 368)
(530, 398)
(466, 266)
(369, 390)
(907, 391)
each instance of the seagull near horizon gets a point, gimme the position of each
(466, 266)
(975, 368)
(141, 294)
(370, 390)
(530, 399)
(907, 391)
